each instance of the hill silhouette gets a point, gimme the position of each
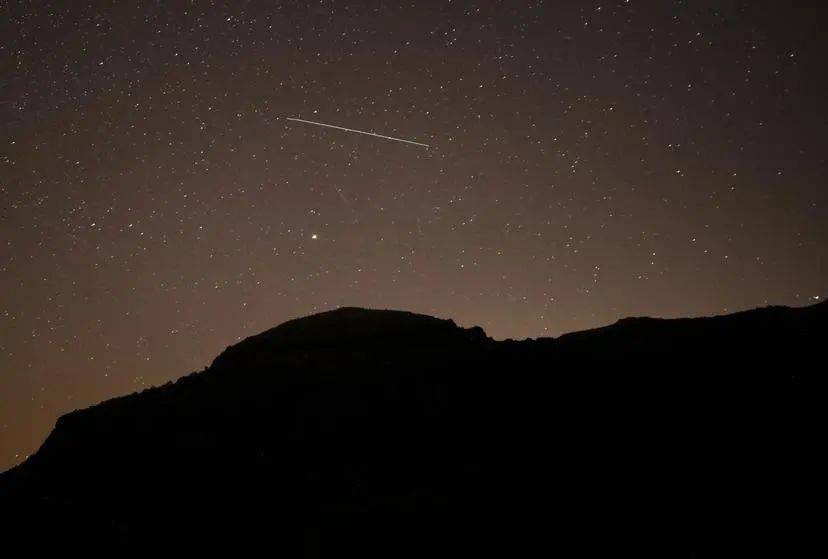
(371, 431)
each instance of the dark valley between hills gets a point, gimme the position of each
(365, 431)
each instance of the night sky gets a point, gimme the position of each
(588, 161)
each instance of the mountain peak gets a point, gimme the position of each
(355, 327)
(324, 418)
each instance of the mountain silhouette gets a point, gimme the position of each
(359, 431)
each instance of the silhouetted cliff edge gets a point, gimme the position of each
(356, 431)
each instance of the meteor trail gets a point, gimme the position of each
(358, 131)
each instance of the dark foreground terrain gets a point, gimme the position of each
(360, 431)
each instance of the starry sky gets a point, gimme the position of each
(587, 161)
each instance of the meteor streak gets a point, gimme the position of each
(358, 131)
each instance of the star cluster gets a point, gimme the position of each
(588, 161)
